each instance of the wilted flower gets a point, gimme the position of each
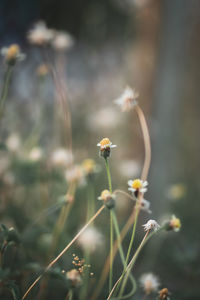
(91, 239)
(151, 224)
(35, 154)
(62, 41)
(105, 146)
(127, 100)
(163, 294)
(137, 186)
(40, 34)
(42, 70)
(174, 224)
(12, 54)
(107, 198)
(61, 157)
(13, 142)
(74, 175)
(149, 283)
(74, 277)
(145, 205)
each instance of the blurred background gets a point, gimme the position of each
(150, 45)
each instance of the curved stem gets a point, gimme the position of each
(147, 143)
(63, 251)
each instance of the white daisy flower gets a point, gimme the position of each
(75, 175)
(151, 224)
(61, 157)
(40, 34)
(36, 154)
(13, 142)
(91, 239)
(62, 41)
(105, 146)
(12, 54)
(137, 185)
(149, 282)
(127, 100)
(105, 143)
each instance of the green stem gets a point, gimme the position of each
(111, 252)
(132, 262)
(70, 295)
(84, 290)
(111, 227)
(133, 233)
(122, 254)
(4, 92)
(90, 201)
(109, 175)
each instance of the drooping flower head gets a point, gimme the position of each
(137, 186)
(107, 198)
(127, 100)
(12, 54)
(151, 225)
(105, 145)
(163, 294)
(149, 283)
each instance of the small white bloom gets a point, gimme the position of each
(35, 154)
(40, 34)
(127, 100)
(149, 282)
(62, 41)
(61, 157)
(91, 239)
(137, 185)
(105, 144)
(13, 142)
(151, 224)
(75, 175)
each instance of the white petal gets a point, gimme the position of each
(130, 182)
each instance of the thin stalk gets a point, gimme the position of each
(4, 91)
(69, 295)
(64, 250)
(111, 252)
(108, 175)
(129, 266)
(133, 260)
(62, 220)
(111, 226)
(117, 231)
(133, 232)
(84, 290)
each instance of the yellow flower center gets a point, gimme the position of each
(105, 142)
(12, 52)
(105, 194)
(89, 165)
(137, 184)
(176, 223)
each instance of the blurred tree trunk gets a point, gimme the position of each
(178, 18)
